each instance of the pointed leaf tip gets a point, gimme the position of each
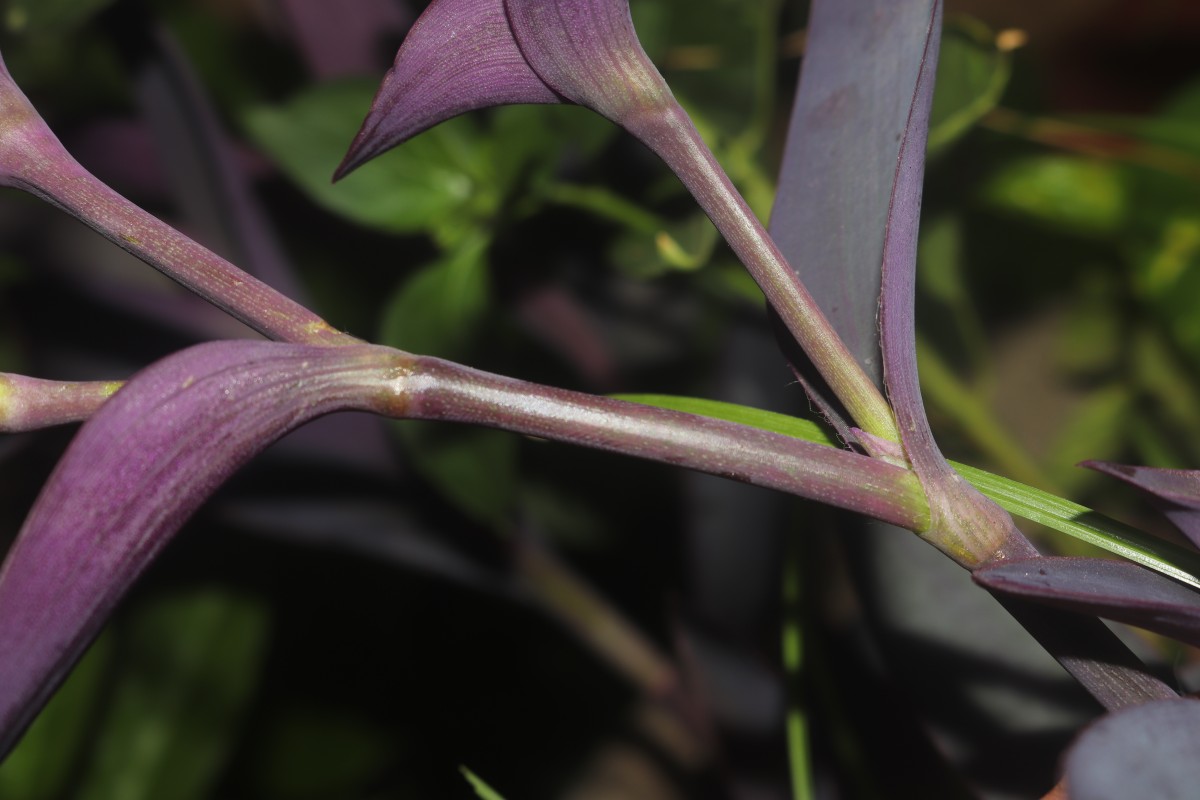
(134, 473)
(459, 56)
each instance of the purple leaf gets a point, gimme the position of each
(966, 526)
(1149, 750)
(857, 82)
(466, 54)
(459, 56)
(135, 472)
(1175, 491)
(588, 52)
(210, 183)
(343, 39)
(1116, 590)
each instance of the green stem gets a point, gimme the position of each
(799, 759)
(603, 203)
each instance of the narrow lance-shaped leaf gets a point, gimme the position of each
(1116, 590)
(965, 525)
(1175, 491)
(857, 81)
(147, 459)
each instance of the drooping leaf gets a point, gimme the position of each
(189, 665)
(135, 472)
(1150, 750)
(1116, 590)
(1176, 491)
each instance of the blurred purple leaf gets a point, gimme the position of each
(213, 190)
(1149, 750)
(343, 39)
(1116, 590)
(208, 176)
(1175, 491)
(371, 529)
(459, 56)
(134, 473)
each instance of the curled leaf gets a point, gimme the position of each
(137, 470)
(588, 52)
(460, 55)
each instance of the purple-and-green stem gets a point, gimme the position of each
(28, 404)
(33, 159)
(674, 138)
(435, 389)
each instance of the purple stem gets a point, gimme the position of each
(28, 404)
(33, 159)
(441, 390)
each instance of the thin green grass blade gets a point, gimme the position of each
(484, 791)
(799, 758)
(1016, 498)
(1088, 525)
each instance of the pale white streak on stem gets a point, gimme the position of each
(433, 389)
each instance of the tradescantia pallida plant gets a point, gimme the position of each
(152, 451)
